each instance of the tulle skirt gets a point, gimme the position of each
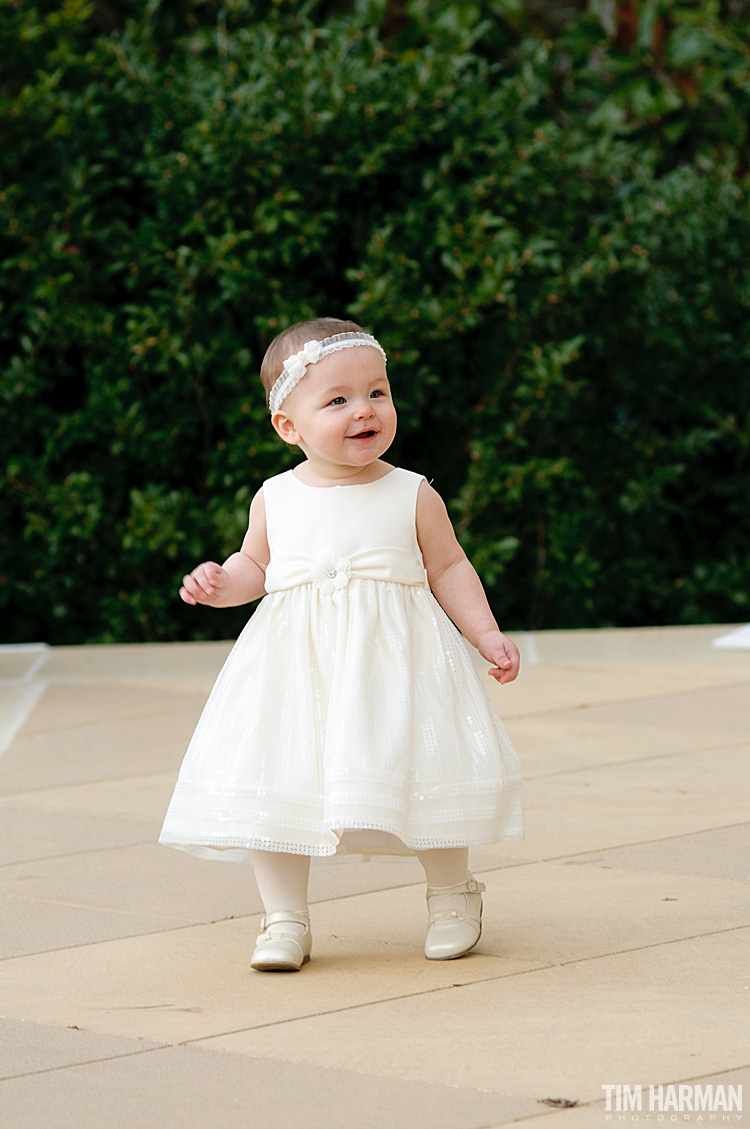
(349, 722)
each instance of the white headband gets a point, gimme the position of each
(295, 366)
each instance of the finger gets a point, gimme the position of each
(213, 576)
(503, 676)
(508, 676)
(194, 588)
(185, 595)
(203, 582)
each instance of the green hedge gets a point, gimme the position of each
(546, 224)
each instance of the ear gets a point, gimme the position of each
(283, 425)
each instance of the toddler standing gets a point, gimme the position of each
(349, 716)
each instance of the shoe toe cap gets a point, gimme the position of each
(448, 939)
(282, 953)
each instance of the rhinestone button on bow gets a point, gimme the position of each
(331, 572)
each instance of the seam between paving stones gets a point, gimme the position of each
(636, 760)
(579, 706)
(319, 1067)
(86, 783)
(617, 847)
(75, 854)
(114, 720)
(468, 984)
(88, 1061)
(86, 906)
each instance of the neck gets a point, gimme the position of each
(336, 475)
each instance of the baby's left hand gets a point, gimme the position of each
(498, 649)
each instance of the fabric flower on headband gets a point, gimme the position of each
(309, 354)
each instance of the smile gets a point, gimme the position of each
(363, 435)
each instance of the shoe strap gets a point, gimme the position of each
(281, 915)
(469, 887)
(453, 914)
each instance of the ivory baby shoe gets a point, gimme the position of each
(452, 932)
(279, 949)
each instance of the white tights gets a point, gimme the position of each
(282, 878)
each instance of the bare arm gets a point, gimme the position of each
(242, 577)
(457, 587)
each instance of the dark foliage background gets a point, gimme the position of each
(541, 210)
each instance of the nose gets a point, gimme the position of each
(363, 409)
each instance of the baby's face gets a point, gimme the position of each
(341, 412)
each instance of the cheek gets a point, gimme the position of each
(329, 429)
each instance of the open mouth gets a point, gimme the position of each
(364, 434)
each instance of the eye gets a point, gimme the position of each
(338, 400)
(377, 392)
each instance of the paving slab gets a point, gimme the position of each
(146, 879)
(142, 798)
(181, 1086)
(28, 1048)
(567, 911)
(37, 833)
(580, 687)
(722, 853)
(723, 709)
(146, 662)
(86, 702)
(45, 756)
(567, 741)
(37, 926)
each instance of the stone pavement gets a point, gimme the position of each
(616, 947)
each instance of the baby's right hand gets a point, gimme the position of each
(205, 584)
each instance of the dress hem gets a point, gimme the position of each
(242, 853)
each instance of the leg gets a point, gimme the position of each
(448, 867)
(282, 880)
(284, 942)
(445, 869)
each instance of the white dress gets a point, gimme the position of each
(349, 716)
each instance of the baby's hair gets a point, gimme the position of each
(292, 339)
